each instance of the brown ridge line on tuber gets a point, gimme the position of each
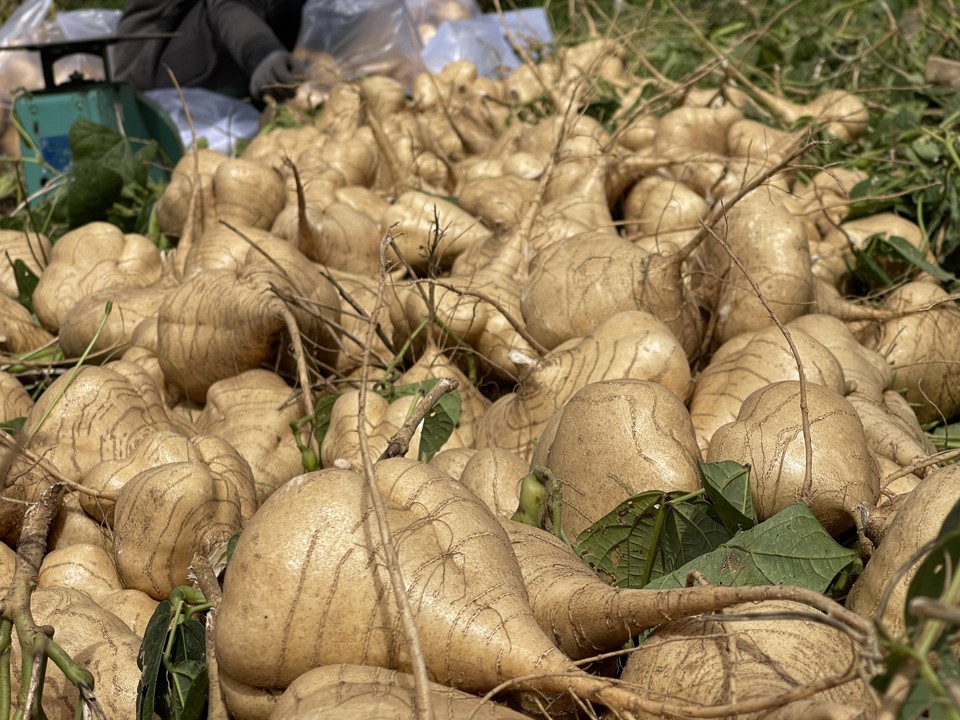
(16, 447)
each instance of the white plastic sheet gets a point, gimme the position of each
(220, 119)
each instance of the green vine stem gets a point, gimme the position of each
(36, 643)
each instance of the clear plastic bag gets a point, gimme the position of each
(31, 23)
(431, 14)
(21, 69)
(364, 37)
(484, 41)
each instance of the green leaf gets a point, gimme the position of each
(439, 425)
(92, 189)
(945, 437)
(728, 487)
(91, 141)
(150, 662)
(189, 686)
(915, 257)
(26, 283)
(321, 416)
(791, 547)
(190, 644)
(14, 425)
(232, 545)
(647, 536)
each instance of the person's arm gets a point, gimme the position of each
(243, 28)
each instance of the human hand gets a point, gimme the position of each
(277, 75)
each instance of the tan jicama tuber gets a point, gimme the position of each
(220, 323)
(133, 607)
(75, 526)
(749, 362)
(586, 616)
(94, 256)
(772, 245)
(203, 501)
(583, 280)
(921, 347)
(770, 436)
(880, 592)
(253, 412)
(494, 476)
(658, 209)
(19, 332)
(433, 364)
(30, 248)
(627, 345)
(99, 413)
(190, 182)
(382, 420)
(741, 657)
(363, 691)
(840, 113)
(329, 602)
(478, 309)
(616, 439)
(96, 640)
(88, 325)
(423, 225)
(15, 401)
(84, 567)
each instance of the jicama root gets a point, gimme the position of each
(627, 345)
(360, 691)
(916, 523)
(749, 362)
(742, 658)
(220, 323)
(587, 278)
(585, 616)
(304, 574)
(613, 440)
(768, 435)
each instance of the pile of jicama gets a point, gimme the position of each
(618, 301)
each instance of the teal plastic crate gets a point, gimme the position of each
(46, 116)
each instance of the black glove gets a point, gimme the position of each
(277, 75)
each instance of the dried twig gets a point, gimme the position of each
(400, 443)
(424, 708)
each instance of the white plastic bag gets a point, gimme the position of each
(220, 119)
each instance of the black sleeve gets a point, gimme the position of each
(244, 28)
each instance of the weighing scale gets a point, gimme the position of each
(47, 115)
